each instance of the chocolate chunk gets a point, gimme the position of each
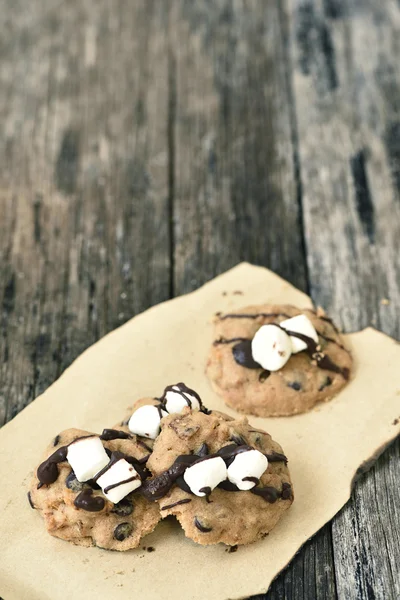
(326, 383)
(203, 450)
(201, 526)
(295, 385)
(276, 457)
(86, 501)
(73, 484)
(122, 531)
(123, 508)
(30, 500)
(56, 440)
(243, 355)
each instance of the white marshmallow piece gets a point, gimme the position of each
(145, 421)
(206, 473)
(175, 401)
(119, 471)
(251, 463)
(87, 457)
(300, 324)
(271, 347)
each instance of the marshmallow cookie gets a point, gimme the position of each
(277, 360)
(87, 489)
(222, 479)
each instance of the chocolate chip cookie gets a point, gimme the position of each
(277, 360)
(224, 480)
(78, 511)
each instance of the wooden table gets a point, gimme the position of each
(148, 146)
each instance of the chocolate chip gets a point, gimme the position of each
(201, 525)
(238, 439)
(123, 508)
(73, 484)
(122, 531)
(295, 385)
(56, 440)
(30, 500)
(286, 493)
(326, 383)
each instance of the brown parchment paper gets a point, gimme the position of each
(169, 343)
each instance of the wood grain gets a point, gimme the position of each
(347, 90)
(146, 147)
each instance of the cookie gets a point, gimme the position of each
(264, 362)
(83, 512)
(224, 480)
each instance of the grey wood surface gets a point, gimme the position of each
(147, 146)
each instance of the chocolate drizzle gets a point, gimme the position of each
(168, 506)
(182, 390)
(86, 501)
(114, 434)
(264, 375)
(268, 493)
(30, 500)
(242, 352)
(252, 316)
(323, 361)
(48, 471)
(254, 480)
(144, 445)
(222, 340)
(271, 494)
(115, 485)
(159, 486)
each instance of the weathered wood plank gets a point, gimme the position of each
(235, 176)
(347, 91)
(83, 181)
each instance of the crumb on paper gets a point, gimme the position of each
(238, 293)
(120, 573)
(396, 421)
(385, 301)
(231, 549)
(150, 549)
(224, 293)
